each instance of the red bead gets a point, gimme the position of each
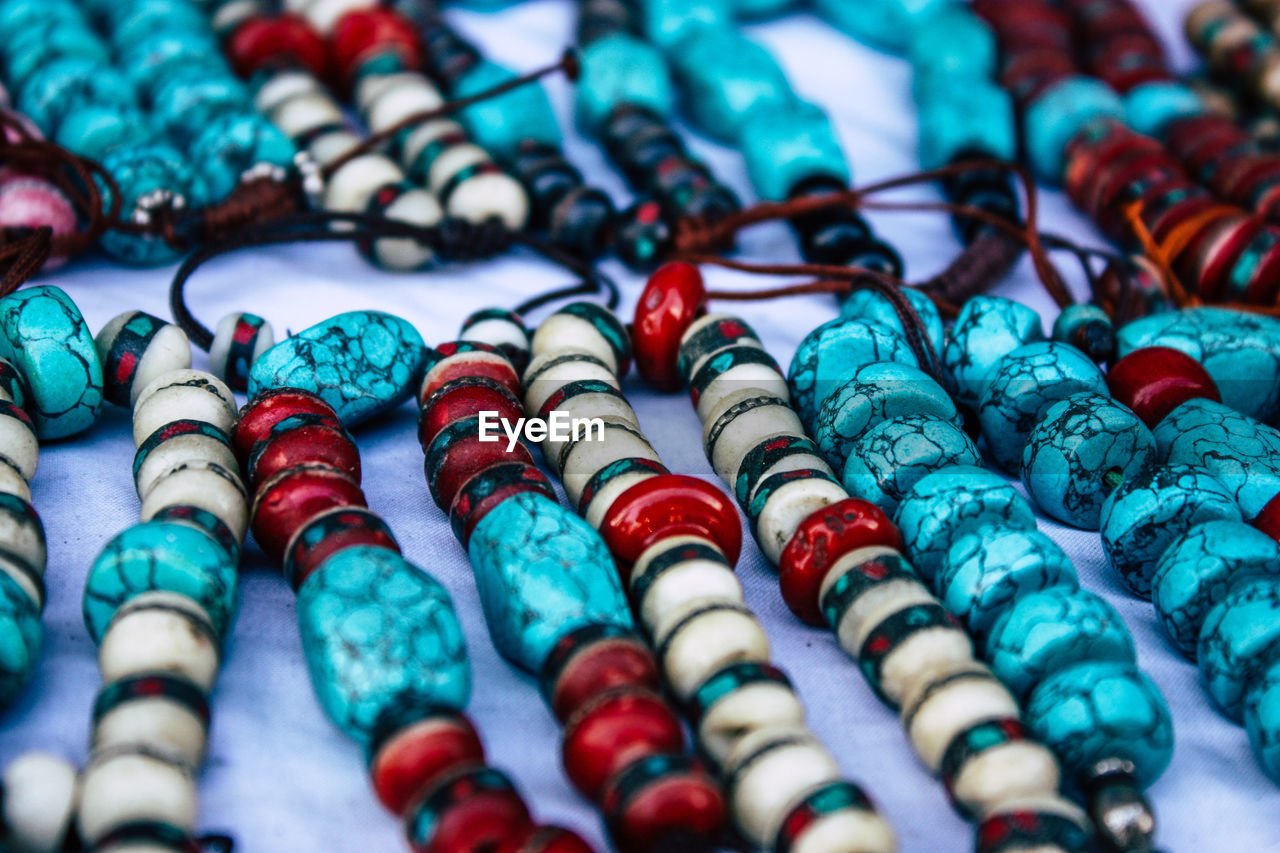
(614, 730)
(822, 539)
(682, 802)
(419, 755)
(310, 443)
(674, 297)
(462, 459)
(330, 532)
(470, 365)
(483, 492)
(269, 408)
(547, 839)
(293, 497)
(1153, 381)
(476, 812)
(462, 399)
(1268, 521)
(601, 666)
(260, 43)
(669, 505)
(363, 34)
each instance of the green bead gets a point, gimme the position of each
(500, 124)
(619, 69)
(726, 78)
(786, 146)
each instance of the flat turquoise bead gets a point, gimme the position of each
(1198, 568)
(95, 131)
(873, 305)
(786, 146)
(1054, 118)
(828, 356)
(232, 144)
(620, 69)
(1241, 452)
(1086, 445)
(18, 16)
(894, 455)
(139, 171)
(149, 61)
(959, 115)
(166, 556)
(1025, 384)
(1106, 709)
(500, 124)
(186, 103)
(1239, 640)
(362, 363)
(947, 504)
(1147, 513)
(134, 21)
(1262, 719)
(874, 393)
(380, 634)
(986, 572)
(1050, 630)
(67, 85)
(986, 330)
(668, 22)
(44, 335)
(887, 24)
(954, 42)
(542, 573)
(725, 77)
(36, 46)
(21, 638)
(1150, 107)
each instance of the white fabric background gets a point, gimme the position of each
(281, 777)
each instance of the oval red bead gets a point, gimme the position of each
(1268, 521)
(601, 666)
(477, 819)
(310, 443)
(1153, 381)
(294, 497)
(466, 457)
(669, 505)
(673, 298)
(614, 730)
(362, 34)
(463, 400)
(417, 756)
(260, 43)
(685, 803)
(260, 415)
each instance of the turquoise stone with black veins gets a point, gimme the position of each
(542, 573)
(1241, 452)
(142, 172)
(947, 504)
(1239, 639)
(380, 634)
(21, 638)
(828, 356)
(1086, 445)
(1240, 351)
(160, 555)
(1026, 382)
(46, 338)
(1104, 709)
(1199, 567)
(892, 456)
(1148, 512)
(874, 305)
(986, 330)
(361, 363)
(1262, 719)
(1050, 630)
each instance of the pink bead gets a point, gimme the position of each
(28, 201)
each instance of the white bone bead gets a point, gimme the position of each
(787, 507)
(761, 377)
(870, 609)
(123, 788)
(565, 333)
(700, 639)
(350, 188)
(614, 412)
(22, 534)
(739, 423)
(497, 332)
(183, 395)
(223, 349)
(396, 97)
(158, 723)
(39, 801)
(750, 708)
(791, 462)
(178, 451)
(769, 771)
(587, 457)
(952, 708)
(1051, 804)
(285, 86)
(325, 14)
(683, 584)
(608, 493)
(206, 485)
(848, 830)
(489, 195)
(157, 632)
(920, 657)
(1005, 772)
(167, 349)
(18, 443)
(326, 148)
(549, 372)
(415, 207)
(304, 112)
(11, 480)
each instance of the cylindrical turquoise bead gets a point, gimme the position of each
(725, 78)
(33, 48)
(1053, 119)
(149, 61)
(1150, 107)
(1262, 719)
(964, 115)
(987, 329)
(620, 69)
(17, 16)
(954, 42)
(21, 638)
(1240, 638)
(891, 457)
(828, 356)
(500, 124)
(379, 634)
(669, 22)
(888, 24)
(787, 145)
(873, 305)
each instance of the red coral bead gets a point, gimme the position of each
(419, 755)
(363, 34)
(614, 730)
(263, 412)
(292, 498)
(1153, 381)
(462, 399)
(674, 297)
(476, 811)
(260, 43)
(310, 443)
(330, 532)
(601, 666)
(669, 505)
(462, 459)
(1268, 521)
(470, 365)
(671, 798)
(547, 839)
(822, 539)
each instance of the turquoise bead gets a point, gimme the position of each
(141, 171)
(1099, 710)
(188, 102)
(874, 393)
(986, 572)
(44, 335)
(725, 78)
(960, 115)
(669, 22)
(828, 355)
(1053, 629)
(67, 85)
(760, 8)
(1086, 445)
(94, 131)
(947, 504)
(887, 24)
(134, 21)
(953, 42)
(380, 634)
(873, 305)
(1198, 568)
(1147, 513)
(893, 456)
(362, 363)
(986, 330)
(21, 638)
(1262, 719)
(38, 45)
(19, 16)
(1239, 451)
(1087, 327)
(542, 573)
(235, 143)
(788, 145)
(149, 62)
(500, 124)
(1240, 638)
(1150, 107)
(1059, 114)
(166, 556)
(620, 69)
(1025, 384)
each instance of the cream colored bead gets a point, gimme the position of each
(562, 433)
(489, 195)
(739, 423)
(192, 395)
(157, 632)
(790, 462)
(549, 372)
(227, 16)
(760, 377)
(396, 97)
(952, 708)
(123, 788)
(701, 323)
(681, 584)
(185, 449)
(325, 14)
(18, 444)
(206, 485)
(787, 507)
(413, 207)
(1017, 769)
(39, 801)
(305, 112)
(168, 350)
(921, 657)
(698, 640)
(753, 707)
(849, 830)
(445, 131)
(870, 608)
(11, 480)
(608, 493)
(285, 86)
(156, 723)
(566, 333)
(1052, 804)
(585, 458)
(497, 332)
(328, 148)
(350, 188)
(22, 534)
(221, 348)
(769, 772)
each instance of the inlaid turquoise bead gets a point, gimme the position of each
(141, 171)
(786, 146)
(1240, 638)
(874, 305)
(500, 124)
(828, 356)
(1148, 512)
(620, 69)
(65, 86)
(986, 330)
(1056, 116)
(1104, 709)
(361, 363)
(380, 634)
(166, 556)
(1053, 629)
(95, 131)
(1198, 568)
(888, 24)
(1241, 452)
(542, 573)
(947, 504)
(954, 42)
(726, 77)
(1025, 384)
(1150, 107)
(893, 456)
(1086, 445)
(233, 144)
(1262, 719)
(958, 115)
(44, 335)
(668, 22)
(21, 638)
(986, 572)
(874, 393)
